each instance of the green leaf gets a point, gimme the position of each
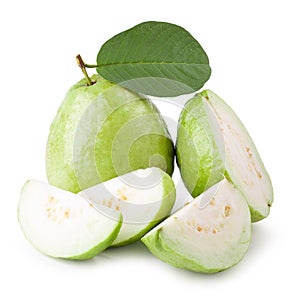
(155, 58)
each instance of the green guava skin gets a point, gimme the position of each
(101, 246)
(197, 154)
(168, 200)
(161, 249)
(103, 131)
(201, 153)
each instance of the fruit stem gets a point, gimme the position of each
(82, 66)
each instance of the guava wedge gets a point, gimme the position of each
(212, 143)
(64, 225)
(210, 234)
(144, 197)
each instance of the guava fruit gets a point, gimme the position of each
(64, 225)
(144, 197)
(212, 143)
(210, 234)
(102, 131)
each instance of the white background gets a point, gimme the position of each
(254, 50)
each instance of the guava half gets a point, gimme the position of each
(212, 143)
(144, 197)
(65, 225)
(210, 234)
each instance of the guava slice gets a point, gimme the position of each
(144, 197)
(65, 225)
(213, 142)
(210, 234)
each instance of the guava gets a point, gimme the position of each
(102, 131)
(65, 225)
(212, 142)
(144, 197)
(210, 234)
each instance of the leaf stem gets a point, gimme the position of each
(90, 66)
(82, 66)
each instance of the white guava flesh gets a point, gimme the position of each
(65, 225)
(144, 197)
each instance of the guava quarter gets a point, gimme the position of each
(212, 143)
(210, 234)
(65, 225)
(144, 197)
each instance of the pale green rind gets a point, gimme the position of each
(59, 154)
(168, 200)
(158, 247)
(197, 153)
(103, 131)
(255, 214)
(102, 246)
(138, 139)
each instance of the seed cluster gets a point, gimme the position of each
(57, 212)
(213, 228)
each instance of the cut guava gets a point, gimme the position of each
(210, 234)
(64, 225)
(144, 197)
(212, 143)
